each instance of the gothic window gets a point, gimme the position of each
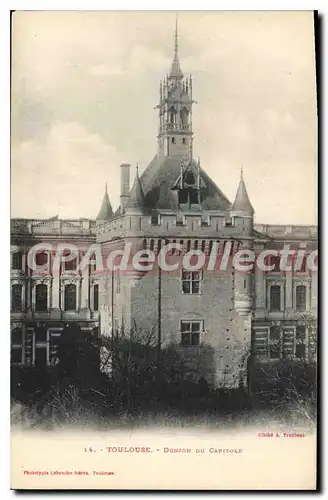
(275, 294)
(95, 297)
(172, 115)
(70, 297)
(16, 297)
(41, 297)
(275, 342)
(190, 178)
(17, 261)
(191, 332)
(191, 281)
(183, 140)
(16, 345)
(301, 297)
(184, 116)
(173, 140)
(300, 338)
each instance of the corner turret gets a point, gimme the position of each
(106, 211)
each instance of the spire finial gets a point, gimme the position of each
(106, 191)
(176, 37)
(176, 70)
(137, 170)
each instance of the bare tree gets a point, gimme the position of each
(289, 382)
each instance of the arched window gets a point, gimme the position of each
(70, 297)
(184, 116)
(16, 297)
(301, 297)
(275, 342)
(275, 294)
(41, 297)
(172, 115)
(189, 178)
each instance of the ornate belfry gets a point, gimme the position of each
(175, 110)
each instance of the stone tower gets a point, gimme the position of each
(205, 314)
(175, 110)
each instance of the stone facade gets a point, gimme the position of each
(215, 319)
(38, 309)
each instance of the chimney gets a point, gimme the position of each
(125, 185)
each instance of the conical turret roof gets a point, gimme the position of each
(106, 211)
(242, 202)
(136, 201)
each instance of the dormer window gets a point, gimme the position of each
(189, 179)
(183, 196)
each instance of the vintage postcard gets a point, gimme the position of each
(163, 250)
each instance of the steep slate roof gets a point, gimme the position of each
(106, 211)
(242, 202)
(161, 175)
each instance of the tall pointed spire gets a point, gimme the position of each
(175, 68)
(176, 38)
(242, 202)
(136, 201)
(106, 211)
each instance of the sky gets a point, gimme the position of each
(84, 88)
